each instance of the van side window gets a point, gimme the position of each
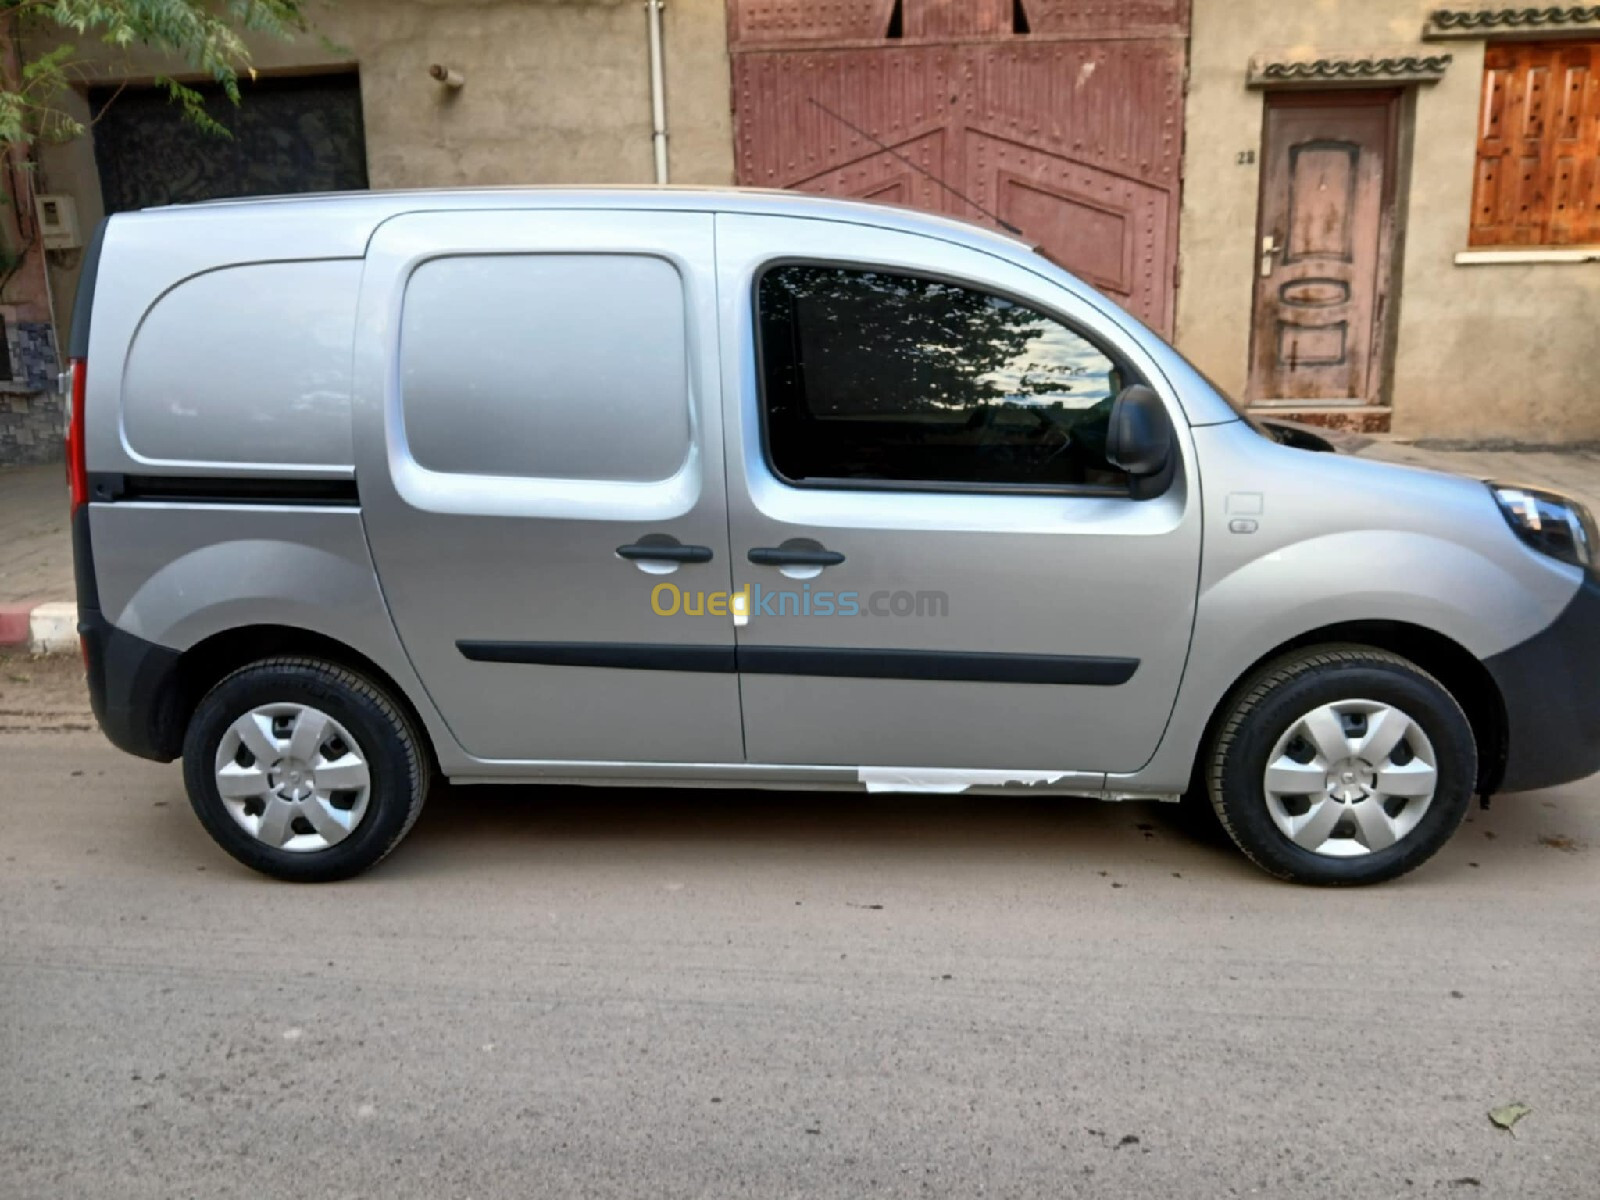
(872, 376)
(552, 366)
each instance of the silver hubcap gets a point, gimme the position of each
(1350, 778)
(292, 777)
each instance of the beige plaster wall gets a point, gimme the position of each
(557, 91)
(1482, 352)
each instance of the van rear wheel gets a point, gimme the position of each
(303, 770)
(1342, 765)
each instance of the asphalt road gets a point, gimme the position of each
(669, 994)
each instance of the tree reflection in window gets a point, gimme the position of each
(877, 376)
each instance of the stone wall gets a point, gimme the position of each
(30, 409)
(30, 413)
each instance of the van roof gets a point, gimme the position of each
(376, 206)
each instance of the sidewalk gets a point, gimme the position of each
(36, 591)
(35, 551)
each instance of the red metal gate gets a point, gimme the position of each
(1065, 117)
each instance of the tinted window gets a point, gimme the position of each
(877, 376)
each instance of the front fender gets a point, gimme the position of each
(1297, 541)
(1368, 575)
(1412, 578)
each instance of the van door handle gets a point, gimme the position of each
(774, 556)
(645, 552)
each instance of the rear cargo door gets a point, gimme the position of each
(539, 454)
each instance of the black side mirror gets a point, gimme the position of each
(1139, 440)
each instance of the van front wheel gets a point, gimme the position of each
(1342, 765)
(303, 770)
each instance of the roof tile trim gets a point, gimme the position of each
(1489, 22)
(1347, 69)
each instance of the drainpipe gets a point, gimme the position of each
(658, 88)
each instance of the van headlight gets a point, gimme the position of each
(1551, 524)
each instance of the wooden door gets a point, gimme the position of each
(1323, 249)
(1064, 119)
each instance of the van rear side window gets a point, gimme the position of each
(554, 366)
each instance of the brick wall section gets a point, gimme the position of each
(30, 409)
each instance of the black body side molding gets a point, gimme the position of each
(107, 487)
(627, 656)
(950, 666)
(838, 663)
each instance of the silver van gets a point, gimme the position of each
(714, 488)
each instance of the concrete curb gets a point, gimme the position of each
(48, 628)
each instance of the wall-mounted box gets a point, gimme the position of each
(58, 222)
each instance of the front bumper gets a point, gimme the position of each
(1550, 685)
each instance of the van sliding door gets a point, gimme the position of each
(539, 454)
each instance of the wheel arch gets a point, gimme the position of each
(1461, 673)
(206, 663)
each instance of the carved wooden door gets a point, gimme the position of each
(1323, 248)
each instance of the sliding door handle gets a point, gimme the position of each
(648, 552)
(776, 556)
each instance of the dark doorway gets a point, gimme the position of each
(301, 134)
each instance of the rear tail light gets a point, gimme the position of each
(77, 463)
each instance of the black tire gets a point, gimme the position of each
(1283, 692)
(398, 768)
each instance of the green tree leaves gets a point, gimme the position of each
(205, 36)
